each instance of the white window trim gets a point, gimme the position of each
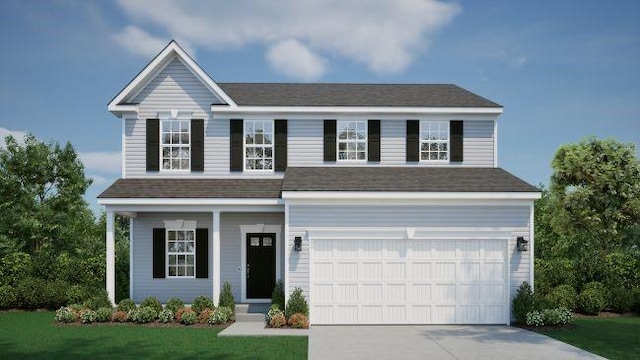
(171, 118)
(167, 230)
(244, 147)
(366, 143)
(420, 141)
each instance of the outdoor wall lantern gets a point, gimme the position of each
(522, 244)
(297, 243)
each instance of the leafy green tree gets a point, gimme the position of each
(41, 204)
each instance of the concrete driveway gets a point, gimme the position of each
(436, 342)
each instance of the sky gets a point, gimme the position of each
(563, 70)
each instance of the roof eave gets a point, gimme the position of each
(411, 195)
(353, 110)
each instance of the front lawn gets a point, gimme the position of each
(33, 335)
(611, 337)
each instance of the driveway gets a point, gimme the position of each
(436, 342)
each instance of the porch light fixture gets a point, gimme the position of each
(522, 244)
(297, 243)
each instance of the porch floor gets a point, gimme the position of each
(255, 328)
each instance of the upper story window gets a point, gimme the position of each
(434, 141)
(258, 145)
(352, 140)
(175, 144)
(181, 253)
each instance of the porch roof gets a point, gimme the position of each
(194, 188)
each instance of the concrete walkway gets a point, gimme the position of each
(255, 328)
(436, 342)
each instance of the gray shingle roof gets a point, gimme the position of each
(418, 179)
(375, 95)
(193, 188)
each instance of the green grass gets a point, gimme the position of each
(33, 335)
(611, 337)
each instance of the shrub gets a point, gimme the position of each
(523, 303)
(76, 294)
(181, 312)
(174, 304)
(226, 298)
(296, 304)
(621, 299)
(220, 315)
(622, 269)
(31, 293)
(15, 267)
(552, 273)
(66, 315)
(556, 316)
(273, 311)
(103, 314)
(120, 316)
(166, 316)
(8, 297)
(563, 296)
(143, 315)
(99, 300)
(189, 318)
(153, 303)
(299, 321)
(200, 303)
(204, 315)
(56, 294)
(593, 298)
(635, 294)
(126, 305)
(278, 321)
(277, 296)
(88, 316)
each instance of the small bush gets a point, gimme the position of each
(103, 314)
(166, 316)
(56, 294)
(174, 304)
(99, 300)
(200, 303)
(126, 305)
(153, 303)
(204, 316)
(553, 272)
(88, 316)
(299, 321)
(558, 316)
(181, 312)
(189, 318)
(273, 311)
(8, 297)
(563, 296)
(593, 298)
(143, 315)
(278, 321)
(66, 315)
(31, 293)
(77, 294)
(277, 296)
(523, 303)
(226, 297)
(221, 315)
(296, 304)
(621, 299)
(120, 316)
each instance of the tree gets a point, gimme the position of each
(41, 204)
(594, 202)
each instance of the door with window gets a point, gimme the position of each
(261, 265)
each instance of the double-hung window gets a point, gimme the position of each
(181, 253)
(352, 140)
(258, 145)
(175, 144)
(434, 141)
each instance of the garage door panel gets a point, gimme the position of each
(420, 314)
(444, 314)
(421, 293)
(419, 270)
(346, 249)
(323, 292)
(346, 292)
(346, 270)
(396, 314)
(371, 249)
(493, 271)
(372, 292)
(371, 270)
(395, 270)
(346, 314)
(396, 292)
(323, 249)
(323, 270)
(468, 293)
(492, 293)
(445, 271)
(443, 249)
(468, 271)
(372, 314)
(468, 314)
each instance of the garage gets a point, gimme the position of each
(430, 280)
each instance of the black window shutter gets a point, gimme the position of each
(413, 140)
(153, 145)
(330, 140)
(237, 133)
(202, 253)
(280, 145)
(197, 145)
(455, 133)
(159, 253)
(373, 139)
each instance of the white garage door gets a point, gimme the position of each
(408, 281)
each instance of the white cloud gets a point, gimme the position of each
(386, 36)
(139, 42)
(292, 58)
(102, 162)
(100, 180)
(18, 135)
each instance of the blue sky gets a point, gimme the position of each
(563, 70)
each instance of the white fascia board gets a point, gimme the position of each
(356, 195)
(189, 201)
(363, 110)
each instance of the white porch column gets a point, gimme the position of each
(111, 258)
(216, 257)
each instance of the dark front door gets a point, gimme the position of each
(261, 265)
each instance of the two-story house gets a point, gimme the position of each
(384, 203)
